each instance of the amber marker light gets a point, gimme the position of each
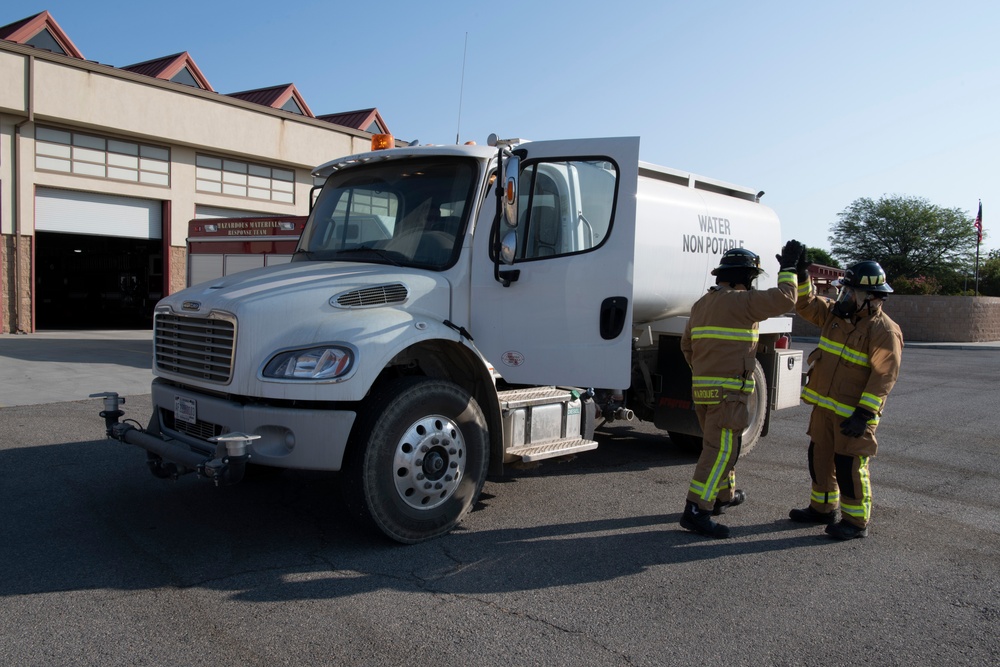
(382, 141)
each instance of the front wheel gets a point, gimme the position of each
(417, 460)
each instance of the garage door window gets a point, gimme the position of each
(101, 157)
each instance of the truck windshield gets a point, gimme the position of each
(402, 212)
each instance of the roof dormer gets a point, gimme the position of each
(42, 32)
(179, 68)
(366, 120)
(285, 97)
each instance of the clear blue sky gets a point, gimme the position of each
(816, 103)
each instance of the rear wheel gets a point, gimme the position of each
(418, 459)
(756, 406)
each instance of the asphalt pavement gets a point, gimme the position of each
(58, 366)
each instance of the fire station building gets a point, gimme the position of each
(102, 168)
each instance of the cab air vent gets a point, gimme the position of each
(379, 295)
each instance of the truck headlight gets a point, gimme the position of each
(318, 363)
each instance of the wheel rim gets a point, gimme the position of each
(429, 462)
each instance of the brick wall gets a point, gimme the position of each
(952, 319)
(7, 281)
(178, 269)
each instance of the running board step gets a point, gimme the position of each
(543, 423)
(551, 449)
(514, 399)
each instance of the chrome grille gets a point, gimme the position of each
(373, 296)
(196, 347)
(201, 430)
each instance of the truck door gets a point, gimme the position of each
(566, 317)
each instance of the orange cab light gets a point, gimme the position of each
(382, 141)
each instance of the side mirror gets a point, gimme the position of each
(512, 172)
(508, 247)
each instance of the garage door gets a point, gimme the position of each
(73, 212)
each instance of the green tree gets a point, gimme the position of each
(820, 256)
(989, 275)
(908, 236)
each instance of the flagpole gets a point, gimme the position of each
(977, 267)
(979, 239)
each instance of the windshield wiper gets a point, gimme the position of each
(379, 252)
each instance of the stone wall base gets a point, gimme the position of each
(941, 319)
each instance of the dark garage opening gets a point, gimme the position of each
(96, 282)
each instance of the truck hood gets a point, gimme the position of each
(377, 309)
(291, 292)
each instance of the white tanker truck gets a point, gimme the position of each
(449, 310)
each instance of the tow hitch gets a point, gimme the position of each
(169, 459)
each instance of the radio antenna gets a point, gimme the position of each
(461, 89)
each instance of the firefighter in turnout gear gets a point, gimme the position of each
(850, 375)
(720, 344)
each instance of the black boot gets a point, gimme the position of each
(845, 531)
(739, 497)
(700, 521)
(809, 515)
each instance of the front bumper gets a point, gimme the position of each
(305, 439)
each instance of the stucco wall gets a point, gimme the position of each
(953, 319)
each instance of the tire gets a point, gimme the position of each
(757, 407)
(417, 460)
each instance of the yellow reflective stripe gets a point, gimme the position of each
(872, 402)
(788, 277)
(866, 486)
(842, 409)
(810, 396)
(864, 510)
(857, 511)
(844, 352)
(805, 288)
(826, 498)
(726, 383)
(724, 333)
(697, 487)
(728, 483)
(721, 461)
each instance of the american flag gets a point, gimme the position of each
(978, 224)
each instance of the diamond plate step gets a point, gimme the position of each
(519, 398)
(552, 449)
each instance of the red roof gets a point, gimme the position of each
(275, 97)
(168, 66)
(359, 120)
(24, 30)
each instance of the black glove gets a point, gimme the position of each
(855, 425)
(790, 254)
(802, 267)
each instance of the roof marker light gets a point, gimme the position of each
(382, 141)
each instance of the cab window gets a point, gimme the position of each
(566, 207)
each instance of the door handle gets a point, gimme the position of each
(613, 311)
